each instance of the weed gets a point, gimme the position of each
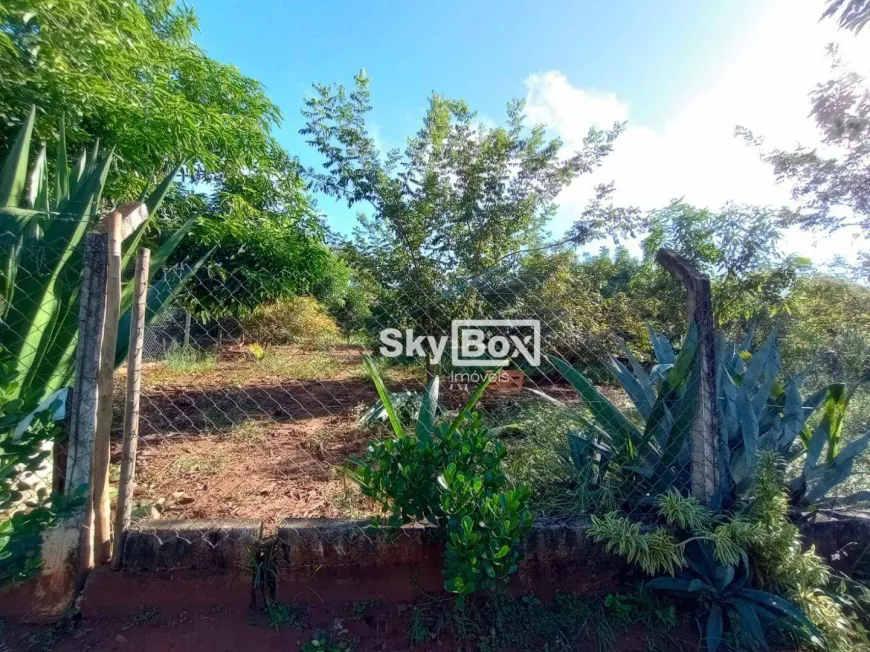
(335, 640)
(250, 431)
(188, 359)
(262, 565)
(257, 351)
(209, 463)
(145, 615)
(279, 614)
(358, 609)
(419, 627)
(300, 365)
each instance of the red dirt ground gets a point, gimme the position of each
(376, 629)
(238, 437)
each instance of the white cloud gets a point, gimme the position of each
(762, 84)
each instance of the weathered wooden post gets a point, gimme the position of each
(105, 382)
(126, 483)
(705, 422)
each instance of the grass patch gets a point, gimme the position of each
(500, 621)
(208, 463)
(248, 432)
(188, 359)
(317, 365)
(358, 609)
(279, 614)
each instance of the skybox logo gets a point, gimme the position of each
(488, 343)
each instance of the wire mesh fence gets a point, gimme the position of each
(258, 414)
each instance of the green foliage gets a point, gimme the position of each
(650, 457)
(450, 207)
(406, 405)
(302, 321)
(485, 530)
(269, 246)
(727, 590)
(27, 508)
(759, 414)
(132, 74)
(279, 614)
(756, 413)
(40, 260)
(449, 474)
(710, 556)
(188, 359)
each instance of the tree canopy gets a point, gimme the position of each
(461, 196)
(131, 74)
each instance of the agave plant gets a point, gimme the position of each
(657, 451)
(727, 588)
(42, 225)
(756, 413)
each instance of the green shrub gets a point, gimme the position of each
(301, 321)
(450, 475)
(751, 562)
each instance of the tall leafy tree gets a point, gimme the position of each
(830, 184)
(131, 74)
(460, 197)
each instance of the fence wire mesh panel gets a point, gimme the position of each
(43, 482)
(260, 416)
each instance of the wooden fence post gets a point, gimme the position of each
(83, 404)
(705, 421)
(126, 483)
(105, 381)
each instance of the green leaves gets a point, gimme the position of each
(13, 174)
(449, 475)
(384, 395)
(625, 434)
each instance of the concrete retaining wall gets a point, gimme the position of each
(181, 564)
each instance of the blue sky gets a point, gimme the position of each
(683, 72)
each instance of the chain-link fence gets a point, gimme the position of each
(256, 416)
(257, 413)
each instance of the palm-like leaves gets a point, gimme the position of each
(42, 226)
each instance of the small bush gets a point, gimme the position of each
(450, 475)
(301, 321)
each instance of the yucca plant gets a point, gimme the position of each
(727, 590)
(757, 413)
(42, 225)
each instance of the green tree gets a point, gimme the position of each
(131, 74)
(459, 198)
(830, 184)
(738, 247)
